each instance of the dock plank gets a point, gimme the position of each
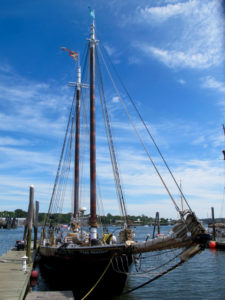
(13, 281)
(59, 295)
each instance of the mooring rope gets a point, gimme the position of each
(156, 277)
(97, 282)
(159, 275)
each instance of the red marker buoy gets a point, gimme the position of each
(212, 244)
(33, 282)
(34, 274)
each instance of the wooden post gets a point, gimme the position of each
(213, 223)
(25, 231)
(25, 227)
(36, 223)
(29, 222)
(43, 235)
(158, 222)
(52, 237)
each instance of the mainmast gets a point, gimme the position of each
(77, 144)
(93, 217)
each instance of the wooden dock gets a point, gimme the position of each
(62, 295)
(13, 281)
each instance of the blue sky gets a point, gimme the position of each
(169, 54)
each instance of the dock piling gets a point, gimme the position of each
(36, 223)
(213, 223)
(29, 222)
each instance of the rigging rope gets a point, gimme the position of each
(140, 139)
(150, 135)
(60, 163)
(110, 143)
(64, 167)
(59, 189)
(85, 128)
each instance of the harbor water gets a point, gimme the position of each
(202, 277)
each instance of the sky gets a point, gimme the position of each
(170, 56)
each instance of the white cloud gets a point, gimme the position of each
(113, 52)
(198, 178)
(179, 59)
(14, 190)
(32, 115)
(26, 157)
(162, 13)
(8, 141)
(6, 68)
(134, 60)
(110, 50)
(192, 33)
(115, 99)
(199, 140)
(182, 81)
(211, 83)
(202, 184)
(28, 106)
(202, 181)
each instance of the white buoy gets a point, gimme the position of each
(24, 263)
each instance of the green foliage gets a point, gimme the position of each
(164, 221)
(65, 218)
(132, 220)
(19, 213)
(41, 217)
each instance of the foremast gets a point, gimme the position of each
(93, 217)
(77, 144)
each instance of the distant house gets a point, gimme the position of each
(118, 221)
(138, 222)
(21, 221)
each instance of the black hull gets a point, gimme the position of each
(80, 269)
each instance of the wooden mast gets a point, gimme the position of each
(93, 217)
(77, 145)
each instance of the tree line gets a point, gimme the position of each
(108, 219)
